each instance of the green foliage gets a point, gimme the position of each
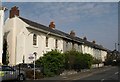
(52, 62)
(30, 74)
(70, 58)
(77, 61)
(83, 61)
(97, 61)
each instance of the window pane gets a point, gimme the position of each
(34, 39)
(46, 41)
(56, 43)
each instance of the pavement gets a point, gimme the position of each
(79, 75)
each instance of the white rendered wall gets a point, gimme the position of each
(20, 41)
(1, 33)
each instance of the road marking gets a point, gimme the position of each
(116, 73)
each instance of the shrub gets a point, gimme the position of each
(97, 61)
(83, 61)
(70, 58)
(30, 74)
(52, 62)
(77, 61)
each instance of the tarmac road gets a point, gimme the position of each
(95, 75)
(111, 74)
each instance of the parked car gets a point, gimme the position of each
(28, 66)
(9, 73)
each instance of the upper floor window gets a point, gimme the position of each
(73, 45)
(56, 43)
(46, 41)
(78, 46)
(34, 39)
(66, 44)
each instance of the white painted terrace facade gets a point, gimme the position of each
(21, 43)
(2, 9)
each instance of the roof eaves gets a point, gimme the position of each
(38, 29)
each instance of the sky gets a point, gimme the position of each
(96, 20)
(60, 0)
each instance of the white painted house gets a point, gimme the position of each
(2, 9)
(26, 37)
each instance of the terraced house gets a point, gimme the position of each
(26, 37)
(2, 10)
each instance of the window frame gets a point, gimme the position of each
(67, 44)
(46, 41)
(35, 42)
(56, 43)
(73, 45)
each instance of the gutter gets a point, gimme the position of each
(50, 33)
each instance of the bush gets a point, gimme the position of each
(70, 58)
(83, 61)
(52, 62)
(30, 74)
(77, 61)
(97, 61)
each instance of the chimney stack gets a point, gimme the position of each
(14, 12)
(52, 25)
(94, 41)
(84, 38)
(72, 33)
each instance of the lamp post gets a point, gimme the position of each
(118, 55)
(119, 61)
(35, 54)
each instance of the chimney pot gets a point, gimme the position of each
(72, 33)
(14, 12)
(94, 41)
(52, 25)
(84, 38)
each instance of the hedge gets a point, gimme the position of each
(54, 62)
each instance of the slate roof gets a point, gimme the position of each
(62, 34)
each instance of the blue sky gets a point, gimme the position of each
(60, 0)
(95, 20)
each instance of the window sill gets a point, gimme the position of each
(47, 48)
(35, 46)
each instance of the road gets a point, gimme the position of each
(111, 74)
(95, 75)
(103, 75)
